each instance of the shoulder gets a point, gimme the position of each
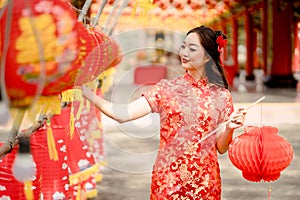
(170, 82)
(220, 92)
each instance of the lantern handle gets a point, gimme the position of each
(225, 123)
(254, 103)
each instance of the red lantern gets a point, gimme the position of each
(111, 2)
(179, 4)
(163, 4)
(43, 43)
(210, 4)
(97, 52)
(49, 151)
(194, 4)
(84, 66)
(10, 187)
(260, 153)
(80, 159)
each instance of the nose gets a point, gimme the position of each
(184, 52)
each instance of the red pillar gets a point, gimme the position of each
(265, 34)
(281, 74)
(235, 44)
(250, 34)
(296, 58)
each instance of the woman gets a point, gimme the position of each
(190, 108)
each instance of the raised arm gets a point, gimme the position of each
(119, 112)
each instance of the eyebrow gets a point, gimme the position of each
(192, 44)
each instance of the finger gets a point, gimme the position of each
(238, 116)
(241, 110)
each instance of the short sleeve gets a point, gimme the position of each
(154, 96)
(222, 103)
(228, 108)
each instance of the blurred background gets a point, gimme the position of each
(119, 48)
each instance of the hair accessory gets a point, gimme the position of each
(221, 41)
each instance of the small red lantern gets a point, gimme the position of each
(179, 4)
(107, 50)
(260, 153)
(163, 4)
(194, 4)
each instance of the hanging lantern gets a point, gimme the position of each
(80, 159)
(83, 66)
(111, 2)
(42, 43)
(117, 54)
(194, 4)
(260, 153)
(179, 4)
(210, 4)
(97, 52)
(10, 187)
(49, 151)
(110, 52)
(163, 4)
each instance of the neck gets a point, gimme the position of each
(197, 75)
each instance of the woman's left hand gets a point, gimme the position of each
(237, 119)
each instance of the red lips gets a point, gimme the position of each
(183, 60)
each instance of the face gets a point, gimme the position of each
(192, 53)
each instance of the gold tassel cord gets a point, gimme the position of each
(28, 190)
(83, 175)
(51, 143)
(72, 122)
(71, 95)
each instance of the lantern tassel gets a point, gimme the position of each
(269, 193)
(78, 196)
(28, 189)
(51, 143)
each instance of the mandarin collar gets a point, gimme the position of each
(200, 83)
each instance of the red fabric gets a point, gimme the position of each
(260, 153)
(185, 169)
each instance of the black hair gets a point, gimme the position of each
(213, 68)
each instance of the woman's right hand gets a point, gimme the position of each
(86, 92)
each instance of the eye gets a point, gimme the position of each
(182, 46)
(193, 49)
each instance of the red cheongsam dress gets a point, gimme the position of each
(186, 168)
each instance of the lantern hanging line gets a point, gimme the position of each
(84, 10)
(99, 12)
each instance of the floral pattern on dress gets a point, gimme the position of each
(189, 110)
